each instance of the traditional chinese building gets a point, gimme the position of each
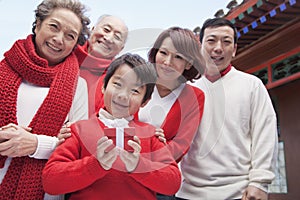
(269, 47)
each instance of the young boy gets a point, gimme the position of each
(87, 167)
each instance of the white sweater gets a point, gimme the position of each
(236, 143)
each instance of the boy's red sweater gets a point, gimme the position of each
(73, 167)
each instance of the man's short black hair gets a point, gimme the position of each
(217, 22)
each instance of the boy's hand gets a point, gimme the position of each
(64, 133)
(106, 158)
(160, 134)
(131, 159)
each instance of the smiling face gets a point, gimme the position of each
(123, 95)
(57, 35)
(218, 47)
(107, 38)
(170, 64)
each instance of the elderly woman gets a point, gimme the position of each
(39, 92)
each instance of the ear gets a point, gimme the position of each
(37, 26)
(234, 51)
(102, 89)
(145, 103)
(188, 65)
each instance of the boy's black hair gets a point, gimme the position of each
(144, 70)
(217, 22)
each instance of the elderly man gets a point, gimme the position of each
(107, 39)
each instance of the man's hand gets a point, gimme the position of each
(254, 193)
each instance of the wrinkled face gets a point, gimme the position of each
(123, 95)
(57, 35)
(107, 38)
(218, 47)
(170, 64)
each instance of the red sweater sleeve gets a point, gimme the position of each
(183, 120)
(66, 165)
(157, 170)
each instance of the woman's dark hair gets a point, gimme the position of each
(217, 22)
(188, 45)
(45, 9)
(145, 71)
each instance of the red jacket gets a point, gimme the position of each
(183, 120)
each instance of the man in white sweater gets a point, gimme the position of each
(234, 153)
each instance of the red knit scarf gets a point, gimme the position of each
(21, 63)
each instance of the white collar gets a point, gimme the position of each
(112, 122)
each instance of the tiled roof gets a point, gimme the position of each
(261, 19)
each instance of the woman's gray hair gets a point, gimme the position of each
(45, 9)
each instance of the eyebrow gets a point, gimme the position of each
(117, 77)
(138, 83)
(174, 53)
(110, 26)
(166, 49)
(226, 36)
(58, 22)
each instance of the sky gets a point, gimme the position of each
(145, 19)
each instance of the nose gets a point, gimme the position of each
(123, 95)
(218, 47)
(109, 37)
(168, 60)
(59, 38)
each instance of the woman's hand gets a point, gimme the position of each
(17, 141)
(160, 134)
(131, 159)
(64, 133)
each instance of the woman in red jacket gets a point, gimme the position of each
(175, 106)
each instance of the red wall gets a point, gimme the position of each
(287, 101)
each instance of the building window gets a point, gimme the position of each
(286, 67)
(262, 75)
(279, 184)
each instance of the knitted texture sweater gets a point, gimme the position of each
(236, 144)
(75, 159)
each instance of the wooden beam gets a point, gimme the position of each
(269, 46)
